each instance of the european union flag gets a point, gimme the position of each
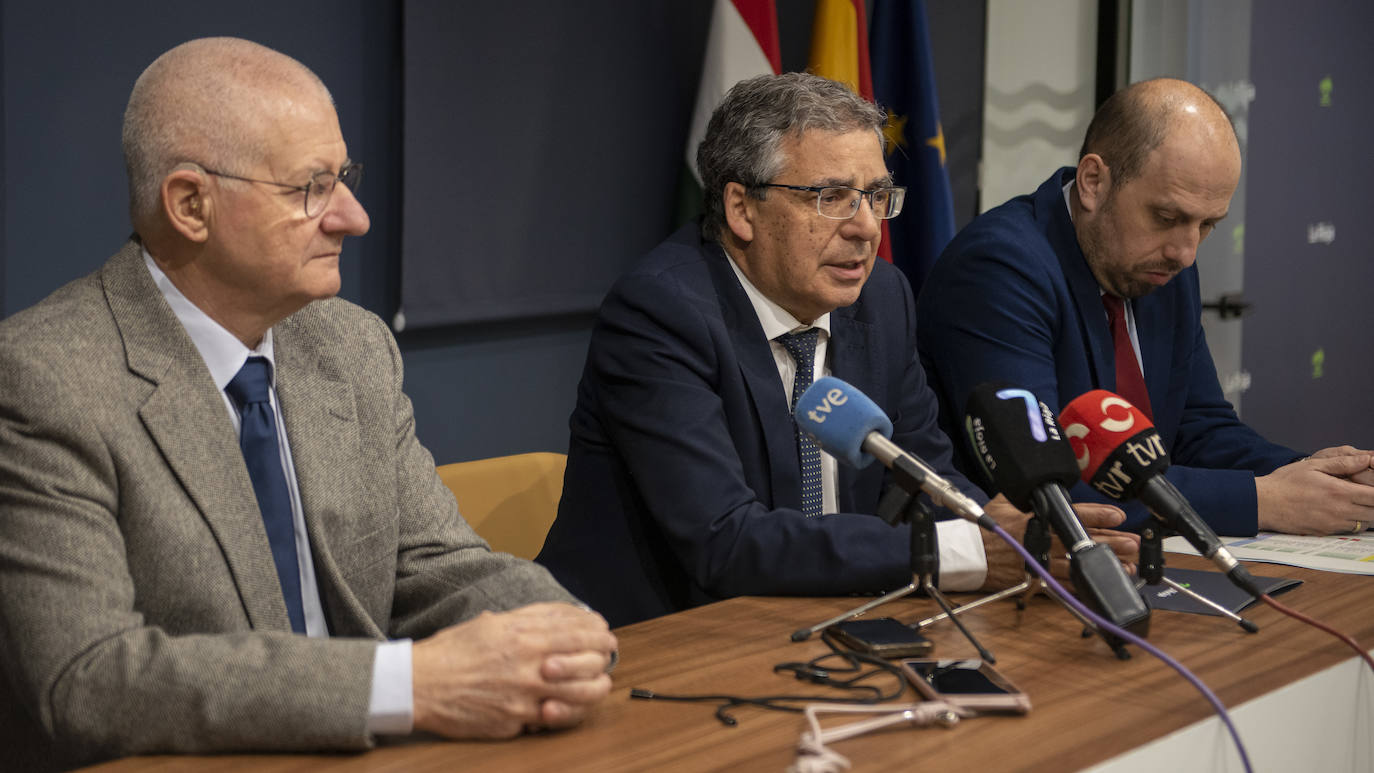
(904, 83)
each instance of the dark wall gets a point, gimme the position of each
(1307, 229)
(66, 67)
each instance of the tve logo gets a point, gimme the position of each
(832, 400)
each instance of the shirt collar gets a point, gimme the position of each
(775, 319)
(223, 352)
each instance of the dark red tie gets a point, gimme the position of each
(1130, 384)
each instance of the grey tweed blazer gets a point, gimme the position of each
(139, 607)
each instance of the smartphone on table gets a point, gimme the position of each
(968, 684)
(884, 637)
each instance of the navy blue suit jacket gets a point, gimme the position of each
(683, 485)
(1012, 299)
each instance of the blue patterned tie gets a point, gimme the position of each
(258, 439)
(802, 347)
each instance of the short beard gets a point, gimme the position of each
(1119, 283)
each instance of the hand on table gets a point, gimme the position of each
(1005, 566)
(1330, 492)
(542, 665)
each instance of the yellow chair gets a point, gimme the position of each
(510, 501)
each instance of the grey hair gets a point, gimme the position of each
(743, 141)
(202, 102)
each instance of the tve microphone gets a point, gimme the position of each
(853, 429)
(1020, 448)
(1122, 455)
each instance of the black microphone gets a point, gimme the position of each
(1025, 456)
(1121, 454)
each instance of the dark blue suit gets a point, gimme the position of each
(683, 485)
(1012, 299)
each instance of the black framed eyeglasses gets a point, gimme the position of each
(841, 202)
(317, 191)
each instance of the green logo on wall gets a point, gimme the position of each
(1325, 86)
(1318, 361)
(1238, 239)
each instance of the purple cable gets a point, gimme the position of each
(987, 523)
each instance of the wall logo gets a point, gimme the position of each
(1235, 383)
(1321, 233)
(1324, 88)
(1238, 239)
(1318, 362)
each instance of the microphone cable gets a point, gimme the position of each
(1098, 620)
(849, 675)
(1299, 616)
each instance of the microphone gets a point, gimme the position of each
(1121, 454)
(852, 428)
(1024, 454)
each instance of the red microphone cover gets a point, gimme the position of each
(1097, 423)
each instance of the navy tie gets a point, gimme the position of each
(258, 439)
(802, 347)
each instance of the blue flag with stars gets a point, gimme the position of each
(904, 83)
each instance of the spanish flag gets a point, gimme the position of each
(742, 43)
(839, 51)
(839, 45)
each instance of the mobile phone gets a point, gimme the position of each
(969, 684)
(884, 637)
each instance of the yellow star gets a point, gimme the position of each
(938, 142)
(895, 132)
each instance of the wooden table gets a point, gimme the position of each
(1088, 707)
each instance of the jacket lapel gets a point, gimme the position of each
(1154, 325)
(319, 412)
(1087, 295)
(186, 417)
(851, 359)
(761, 378)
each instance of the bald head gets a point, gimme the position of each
(211, 102)
(1136, 120)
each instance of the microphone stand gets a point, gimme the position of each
(1037, 542)
(903, 507)
(1152, 573)
(898, 506)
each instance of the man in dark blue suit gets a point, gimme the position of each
(1025, 294)
(685, 480)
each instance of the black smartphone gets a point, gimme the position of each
(968, 684)
(885, 637)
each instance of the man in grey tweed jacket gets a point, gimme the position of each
(140, 607)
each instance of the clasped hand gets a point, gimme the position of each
(543, 665)
(1330, 492)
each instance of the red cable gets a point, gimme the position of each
(1296, 615)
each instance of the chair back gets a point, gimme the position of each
(510, 501)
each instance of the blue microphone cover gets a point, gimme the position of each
(840, 417)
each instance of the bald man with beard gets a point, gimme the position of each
(1023, 294)
(155, 599)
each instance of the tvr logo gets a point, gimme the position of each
(833, 399)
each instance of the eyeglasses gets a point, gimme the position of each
(840, 202)
(317, 191)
